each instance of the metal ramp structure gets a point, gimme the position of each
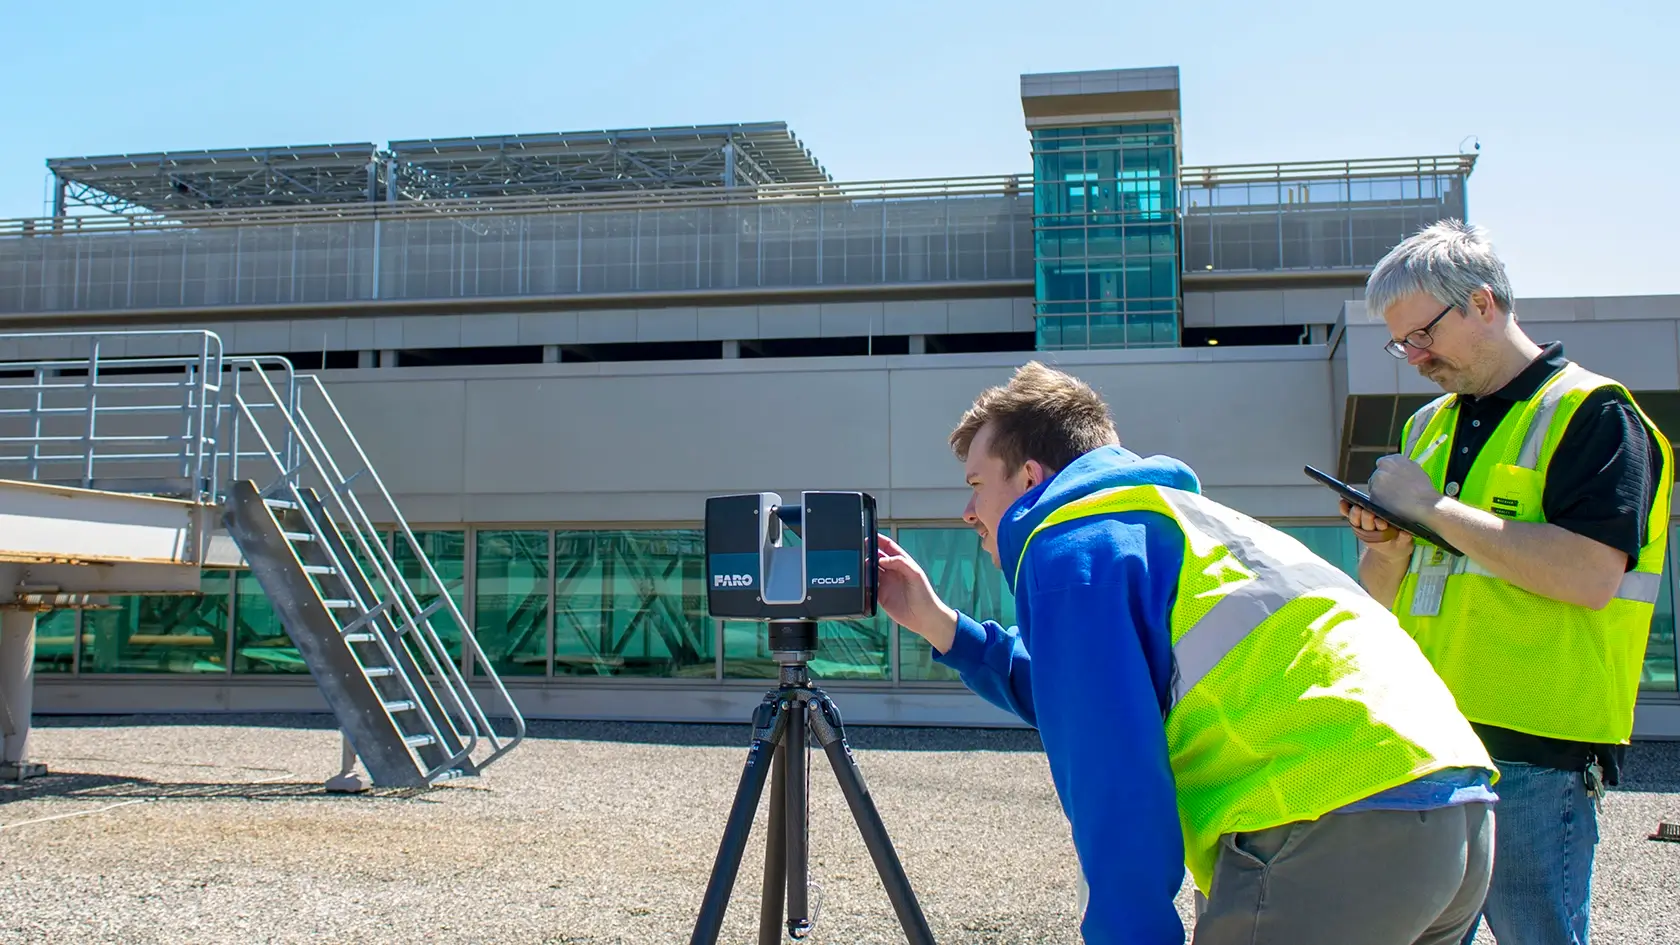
(130, 461)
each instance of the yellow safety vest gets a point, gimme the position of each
(1294, 692)
(1512, 658)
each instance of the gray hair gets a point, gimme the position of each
(1447, 260)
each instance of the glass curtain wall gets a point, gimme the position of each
(160, 633)
(624, 603)
(964, 575)
(55, 641)
(1105, 236)
(632, 603)
(512, 592)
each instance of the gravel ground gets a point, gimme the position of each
(215, 829)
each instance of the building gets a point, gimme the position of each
(555, 346)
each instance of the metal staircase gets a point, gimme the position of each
(269, 448)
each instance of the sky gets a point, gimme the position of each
(1577, 110)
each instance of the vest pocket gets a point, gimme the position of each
(1512, 492)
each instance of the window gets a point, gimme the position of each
(176, 633)
(965, 578)
(1140, 193)
(55, 641)
(260, 641)
(447, 551)
(1106, 236)
(631, 603)
(1079, 191)
(846, 649)
(511, 589)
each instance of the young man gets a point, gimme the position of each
(1555, 486)
(1209, 693)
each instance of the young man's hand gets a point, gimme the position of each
(908, 597)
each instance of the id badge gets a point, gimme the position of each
(1431, 583)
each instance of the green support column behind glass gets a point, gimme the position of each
(1105, 236)
(511, 600)
(176, 633)
(632, 603)
(965, 577)
(55, 641)
(447, 551)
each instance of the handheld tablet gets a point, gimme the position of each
(1364, 501)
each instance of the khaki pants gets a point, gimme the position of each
(1373, 878)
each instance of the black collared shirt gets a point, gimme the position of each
(1601, 484)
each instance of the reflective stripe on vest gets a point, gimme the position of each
(1516, 658)
(1268, 584)
(1420, 422)
(1293, 694)
(1641, 586)
(1572, 377)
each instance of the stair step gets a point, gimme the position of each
(338, 604)
(400, 705)
(375, 672)
(319, 569)
(449, 775)
(419, 741)
(358, 638)
(298, 536)
(280, 503)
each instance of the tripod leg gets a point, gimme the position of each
(798, 861)
(825, 722)
(769, 725)
(775, 855)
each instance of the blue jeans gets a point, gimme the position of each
(1544, 835)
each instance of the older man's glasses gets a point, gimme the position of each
(1420, 339)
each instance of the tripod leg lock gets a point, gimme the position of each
(765, 719)
(826, 723)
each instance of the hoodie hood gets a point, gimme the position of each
(1107, 467)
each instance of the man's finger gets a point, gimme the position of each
(887, 544)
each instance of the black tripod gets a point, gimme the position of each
(780, 726)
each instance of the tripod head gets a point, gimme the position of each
(793, 643)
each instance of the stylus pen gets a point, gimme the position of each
(1430, 449)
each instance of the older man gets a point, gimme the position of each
(1555, 486)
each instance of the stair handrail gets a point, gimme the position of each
(199, 450)
(289, 407)
(378, 556)
(469, 640)
(414, 614)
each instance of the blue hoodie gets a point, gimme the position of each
(1089, 666)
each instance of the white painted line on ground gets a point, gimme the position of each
(79, 813)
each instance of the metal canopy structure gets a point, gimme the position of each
(498, 166)
(171, 181)
(694, 156)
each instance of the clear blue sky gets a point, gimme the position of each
(1577, 109)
